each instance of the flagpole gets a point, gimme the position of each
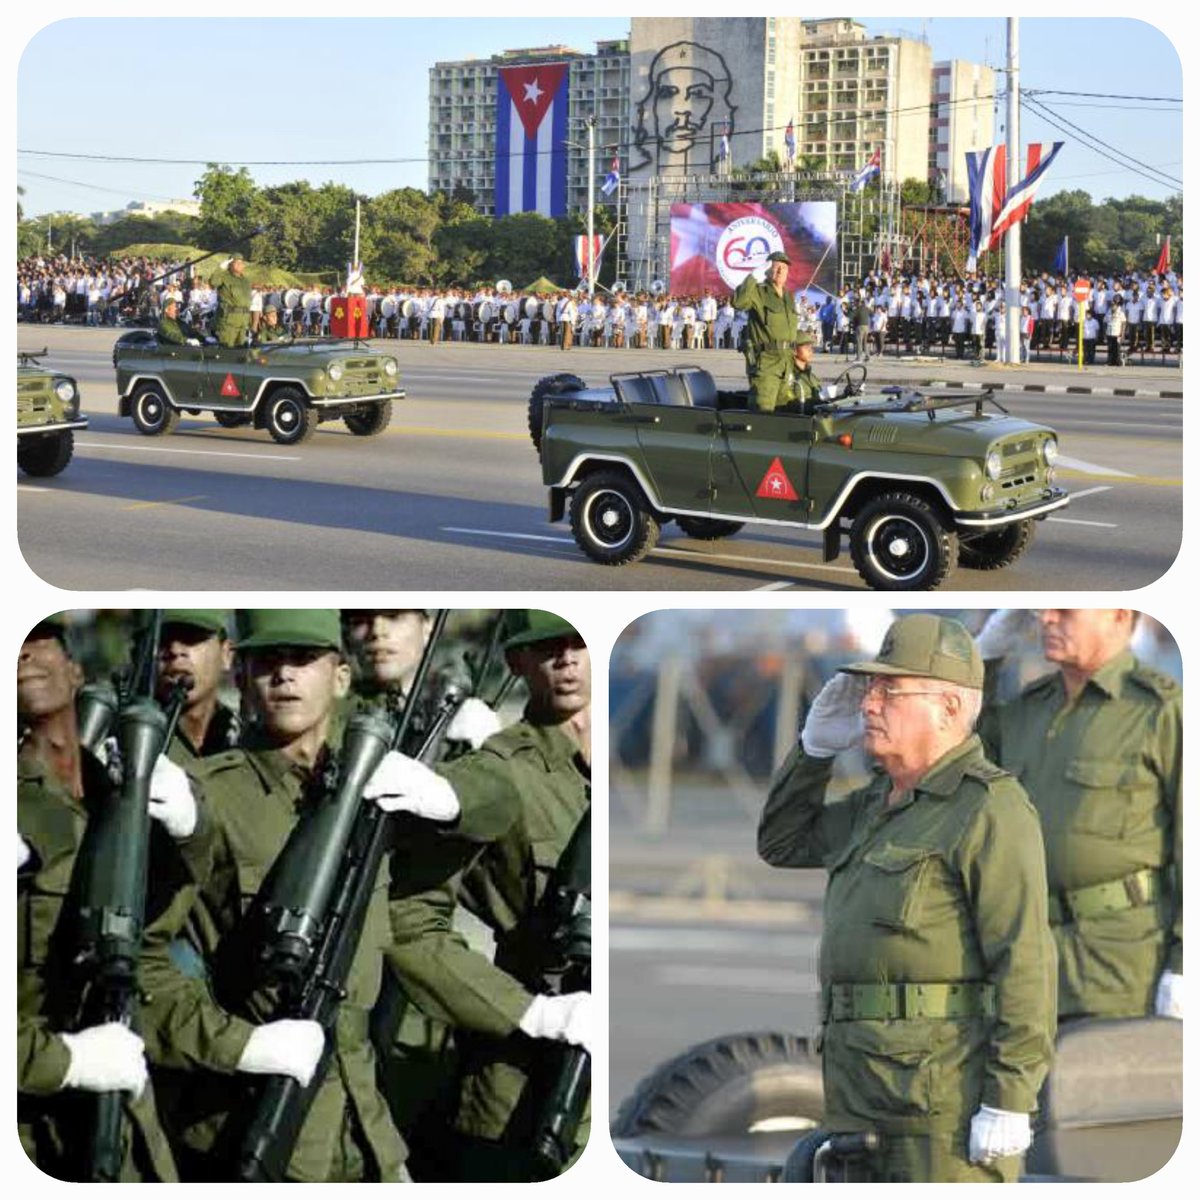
(1012, 239)
(591, 211)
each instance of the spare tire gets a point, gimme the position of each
(731, 1085)
(549, 385)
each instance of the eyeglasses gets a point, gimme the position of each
(876, 687)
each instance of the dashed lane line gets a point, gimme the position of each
(1090, 468)
(1104, 487)
(163, 503)
(178, 450)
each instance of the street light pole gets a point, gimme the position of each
(591, 205)
(1012, 239)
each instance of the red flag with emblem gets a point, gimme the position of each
(775, 484)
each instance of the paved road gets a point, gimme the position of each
(450, 496)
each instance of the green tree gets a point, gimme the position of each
(229, 206)
(524, 246)
(402, 225)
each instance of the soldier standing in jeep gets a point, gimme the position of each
(770, 331)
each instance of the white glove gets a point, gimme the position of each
(1003, 633)
(225, 263)
(171, 799)
(193, 341)
(834, 723)
(24, 851)
(474, 722)
(998, 1134)
(1168, 1000)
(561, 1019)
(401, 784)
(284, 1047)
(106, 1058)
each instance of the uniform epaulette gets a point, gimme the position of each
(1158, 683)
(985, 771)
(511, 740)
(214, 764)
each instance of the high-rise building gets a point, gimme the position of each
(962, 108)
(463, 117)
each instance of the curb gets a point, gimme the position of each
(1054, 389)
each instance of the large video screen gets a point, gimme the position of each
(715, 246)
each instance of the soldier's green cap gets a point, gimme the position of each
(270, 308)
(779, 256)
(169, 300)
(211, 619)
(260, 628)
(524, 626)
(805, 339)
(929, 647)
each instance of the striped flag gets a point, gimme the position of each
(1062, 258)
(869, 172)
(531, 131)
(582, 256)
(789, 140)
(1164, 258)
(993, 208)
(612, 180)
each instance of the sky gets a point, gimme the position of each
(293, 90)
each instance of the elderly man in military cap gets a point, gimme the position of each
(171, 330)
(770, 332)
(937, 965)
(1098, 744)
(233, 302)
(269, 329)
(194, 647)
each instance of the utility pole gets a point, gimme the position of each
(1012, 239)
(591, 209)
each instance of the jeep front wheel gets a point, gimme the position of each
(996, 548)
(290, 418)
(899, 543)
(45, 453)
(611, 521)
(151, 412)
(375, 420)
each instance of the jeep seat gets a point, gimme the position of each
(671, 390)
(701, 386)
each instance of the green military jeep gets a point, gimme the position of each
(917, 483)
(47, 417)
(285, 387)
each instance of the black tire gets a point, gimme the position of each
(708, 529)
(44, 454)
(549, 385)
(611, 521)
(370, 423)
(728, 1086)
(899, 543)
(151, 412)
(289, 417)
(232, 420)
(995, 549)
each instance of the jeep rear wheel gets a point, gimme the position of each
(290, 418)
(708, 529)
(899, 543)
(996, 548)
(45, 453)
(151, 412)
(611, 521)
(375, 420)
(550, 385)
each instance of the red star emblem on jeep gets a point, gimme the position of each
(775, 484)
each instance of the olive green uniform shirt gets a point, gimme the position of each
(945, 886)
(222, 734)
(233, 307)
(804, 388)
(174, 332)
(51, 1122)
(770, 333)
(271, 333)
(1105, 773)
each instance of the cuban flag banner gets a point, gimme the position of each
(612, 180)
(581, 252)
(869, 172)
(531, 131)
(993, 208)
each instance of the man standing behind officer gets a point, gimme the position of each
(233, 303)
(1098, 744)
(770, 332)
(937, 965)
(193, 646)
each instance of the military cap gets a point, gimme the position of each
(169, 300)
(237, 256)
(524, 626)
(211, 619)
(778, 256)
(270, 308)
(259, 628)
(804, 339)
(929, 647)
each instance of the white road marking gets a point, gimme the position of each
(1091, 491)
(29, 487)
(1079, 464)
(176, 450)
(777, 586)
(527, 537)
(1093, 524)
(768, 979)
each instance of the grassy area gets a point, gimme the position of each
(259, 274)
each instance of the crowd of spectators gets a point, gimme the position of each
(886, 313)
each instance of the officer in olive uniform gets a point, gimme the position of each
(937, 964)
(233, 303)
(1098, 744)
(270, 330)
(193, 647)
(171, 330)
(504, 1019)
(770, 332)
(292, 672)
(803, 387)
(59, 1059)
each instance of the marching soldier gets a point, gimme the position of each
(937, 966)
(770, 331)
(233, 303)
(194, 647)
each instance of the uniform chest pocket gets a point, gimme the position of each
(898, 879)
(1105, 791)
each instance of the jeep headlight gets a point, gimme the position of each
(1050, 451)
(335, 371)
(64, 389)
(987, 493)
(390, 367)
(992, 465)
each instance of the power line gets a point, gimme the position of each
(95, 187)
(1099, 95)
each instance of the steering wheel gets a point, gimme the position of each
(851, 381)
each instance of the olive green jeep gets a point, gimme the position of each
(917, 483)
(47, 416)
(286, 387)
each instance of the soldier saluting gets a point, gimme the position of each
(770, 332)
(233, 302)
